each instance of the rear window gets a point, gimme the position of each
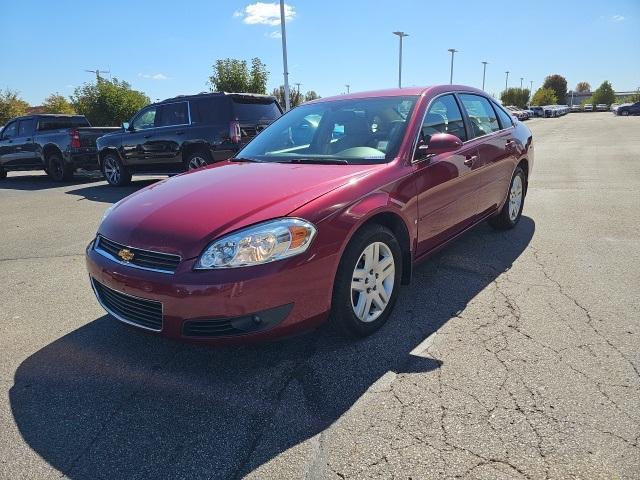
(255, 110)
(56, 123)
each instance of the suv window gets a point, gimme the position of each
(505, 118)
(211, 110)
(10, 130)
(443, 116)
(252, 110)
(25, 127)
(145, 119)
(481, 115)
(172, 114)
(57, 123)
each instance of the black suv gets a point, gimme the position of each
(629, 109)
(183, 133)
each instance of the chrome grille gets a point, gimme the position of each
(146, 259)
(129, 309)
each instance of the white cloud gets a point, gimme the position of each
(155, 76)
(261, 13)
(617, 18)
(274, 34)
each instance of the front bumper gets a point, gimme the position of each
(221, 306)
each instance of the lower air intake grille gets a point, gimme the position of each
(134, 310)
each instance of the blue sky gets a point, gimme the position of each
(165, 49)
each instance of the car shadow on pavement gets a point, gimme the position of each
(105, 401)
(42, 181)
(103, 192)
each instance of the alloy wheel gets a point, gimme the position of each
(112, 170)
(372, 282)
(515, 197)
(197, 162)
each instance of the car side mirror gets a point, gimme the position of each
(125, 126)
(439, 143)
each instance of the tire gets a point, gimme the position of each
(57, 169)
(197, 159)
(3, 173)
(511, 211)
(114, 172)
(624, 113)
(347, 299)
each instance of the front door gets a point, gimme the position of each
(137, 141)
(7, 145)
(25, 148)
(446, 184)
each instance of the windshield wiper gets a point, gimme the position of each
(331, 161)
(240, 159)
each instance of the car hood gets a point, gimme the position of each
(181, 215)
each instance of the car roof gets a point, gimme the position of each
(214, 94)
(400, 92)
(48, 115)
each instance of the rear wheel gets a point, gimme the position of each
(198, 159)
(3, 173)
(511, 212)
(114, 172)
(367, 282)
(57, 169)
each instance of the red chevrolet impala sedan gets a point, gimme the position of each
(322, 215)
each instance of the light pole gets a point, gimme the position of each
(506, 81)
(400, 35)
(521, 79)
(530, 91)
(453, 51)
(484, 72)
(347, 85)
(287, 102)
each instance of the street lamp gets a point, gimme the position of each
(287, 102)
(453, 51)
(400, 35)
(484, 73)
(506, 81)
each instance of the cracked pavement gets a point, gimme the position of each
(512, 355)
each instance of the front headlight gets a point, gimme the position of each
(262, 243)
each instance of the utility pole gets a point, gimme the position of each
(453, 51)
(400, 35)
(521, 79)
(530, 92)
(506, 81)
(98, 72)
(347, 85)
(287, 100)
(484, 73)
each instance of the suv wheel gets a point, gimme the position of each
(367, 282)
(114, 172)
(511, 212)
(3, 173)
(624, 113)
(198, 159)
(57, 170)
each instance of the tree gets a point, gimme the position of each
(11, 105)
(295, 97)
(56, 103)
(544, 96)
(558, 84)
(233, 75)
(515, 96)
(604, 94)
(108, 102)
(583, 87)
(310, 95)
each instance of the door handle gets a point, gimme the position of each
(470, 159)
(510, 143)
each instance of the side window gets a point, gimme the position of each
(211, 111)
(10, 130)
(481, 115)
(25, 127)
(443, 116)
(505, 118)
(172, 114)
(146, 119)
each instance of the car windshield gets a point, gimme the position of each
(364, 130)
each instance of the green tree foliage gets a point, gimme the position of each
(558, 84)
(311, 95)
(604, 94)
(233, 75)
(515, 96)
(633, 98)
(582, 87)
(544, 96)
(108, 102)
(11, 105)
(295, 97)
(56, 103)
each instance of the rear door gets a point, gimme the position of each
(446, 184)
(172, 122)
(493, 144)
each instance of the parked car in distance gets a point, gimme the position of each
(298, 228)
(576, 108)
(537, 111)
(517, 112)
(183, 133)
(601, 107)
(628, 109)
(588, 107)
(614, 107)
(57, 144)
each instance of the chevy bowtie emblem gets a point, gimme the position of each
(126, 255)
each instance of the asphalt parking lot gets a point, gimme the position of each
(512, 355)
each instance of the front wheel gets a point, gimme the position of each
(367, 282)
(114, 172)
(511, 212)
